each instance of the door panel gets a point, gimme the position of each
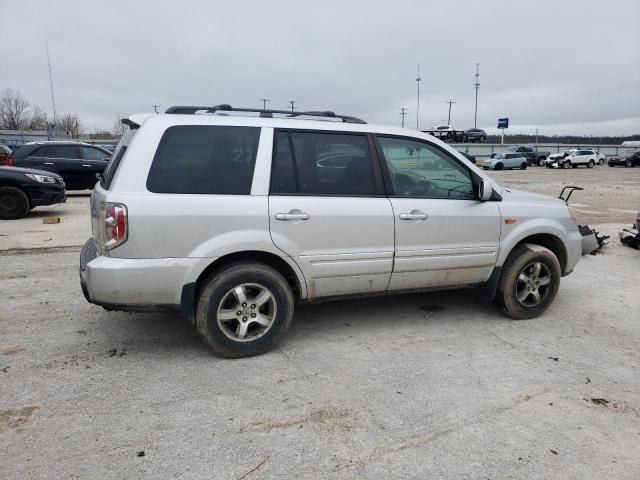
(325, 212)
(345, 246)
(457, 244)
(443, 235)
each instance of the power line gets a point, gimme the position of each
(403, 112)
(418, 80)
(155, 107)
(53, 98)
(264, 103)
(292, 103)
(477, 85)
(450, 102)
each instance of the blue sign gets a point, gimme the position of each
(503, 123)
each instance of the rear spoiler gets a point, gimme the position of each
(134, 121)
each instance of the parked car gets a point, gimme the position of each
(77, 163)
(586, 158)
(22, 189)
(475, 135)
(5, 153)
(557, 158)
(501, 161)
(231, 219)
(627, 159)
(533, 156)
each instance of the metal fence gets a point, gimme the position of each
(18, 137)
(486, 149)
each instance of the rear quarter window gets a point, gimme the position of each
(204, 159)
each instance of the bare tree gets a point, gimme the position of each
(14, 110)
(38, 119)
(119, 128)
(69, 122)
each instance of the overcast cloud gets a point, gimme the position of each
(560, 66)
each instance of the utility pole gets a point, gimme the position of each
(477, 85)
(155, 107)
(292, 102)
(450, 102)
(53, 98)
(264, 103)
(418, 80)
(403, 112)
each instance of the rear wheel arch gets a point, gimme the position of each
(191, 291)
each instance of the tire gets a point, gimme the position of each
(482, 139)
(601, 162)
(573, 165)
(14, 203)
(498, 166)
(541, 162)
(523, 166)
(254, 279)
(514, 296)
(590, 164)
(628, 164)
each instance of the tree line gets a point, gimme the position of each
(17, 113)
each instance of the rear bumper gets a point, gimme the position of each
(132, 284)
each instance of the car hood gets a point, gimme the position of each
(29, 170)
(522, 196)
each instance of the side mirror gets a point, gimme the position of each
(485, 191)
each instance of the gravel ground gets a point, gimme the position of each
(432, 385)
(611, 195)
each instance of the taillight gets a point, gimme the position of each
(8, 162)
(113, 224)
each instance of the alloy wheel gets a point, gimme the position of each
(533, 284)
(246, 312)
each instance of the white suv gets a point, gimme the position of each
(232, 218)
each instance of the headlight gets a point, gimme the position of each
(41, 178)
(573, 215)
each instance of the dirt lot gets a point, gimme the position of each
(610, 195)
(414, 386)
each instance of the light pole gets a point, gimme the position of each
(264, 103)
(418, 79)
(450, 102)
(403, 112)
(477, 85)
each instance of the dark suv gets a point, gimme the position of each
(77, 163)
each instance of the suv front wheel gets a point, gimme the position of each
(529, 282)
(244, 309)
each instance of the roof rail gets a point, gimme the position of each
(190, 110)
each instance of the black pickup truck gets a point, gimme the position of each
(533, 156)
(77, 163)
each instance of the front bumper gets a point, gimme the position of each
(133, 284)
(43, 196)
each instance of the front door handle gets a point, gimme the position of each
(293, 215)
(85, 165)
(48, 163)
(414, 215)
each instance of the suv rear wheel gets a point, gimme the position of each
(244, 309)
(529, 282)
(14, 203)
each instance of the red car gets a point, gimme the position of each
(5, 154)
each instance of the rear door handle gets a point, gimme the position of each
(414, 215)
(48, 163)
(292, 216)
(84, 165)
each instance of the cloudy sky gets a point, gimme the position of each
(569, 66)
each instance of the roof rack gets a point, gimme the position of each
(191, 110)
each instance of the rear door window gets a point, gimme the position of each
(92, 153)
(322, 163)
(204, 159)
(63, 151)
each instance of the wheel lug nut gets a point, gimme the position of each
(244, 304)
(253, 315)
(244, 319)
(253, 306)
(239, 312)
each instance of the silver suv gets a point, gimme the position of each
(231, 216)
